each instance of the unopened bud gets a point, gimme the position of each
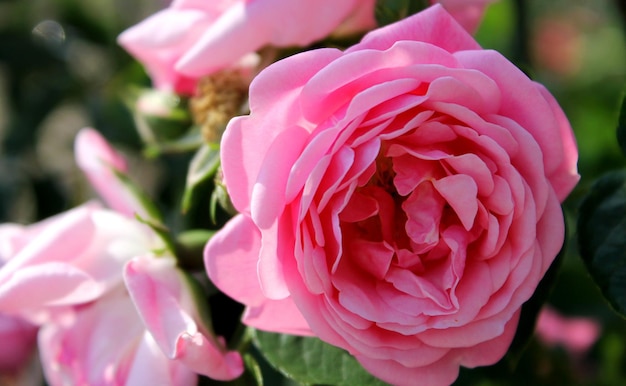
(161, 116)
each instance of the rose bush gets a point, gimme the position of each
(191, 38)
(400, 199)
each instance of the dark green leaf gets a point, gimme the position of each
(602, 236)
(142, 198)
(621, 127)
(311, 361)
(203, 166)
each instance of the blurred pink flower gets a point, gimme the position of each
(69, 259)
(105, 343)
(66, 274)
(151, 334)
(195, 38)
(99, 161)
(469, 13)
(164, 299)
(400, 199)
(575, 334)
(558, 44)
(18, 339)
(17, 336)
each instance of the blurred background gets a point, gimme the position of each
(61, 70)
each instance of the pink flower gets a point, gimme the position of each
(18, 343)
(191, 38)
(105, 343)
(154, 336)
(468, 13)
(575, 334)
(18, 336)
(66, 275)
(400, 200)
(164, 299)
(69, 259)
(99, 161)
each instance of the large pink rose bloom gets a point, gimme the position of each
(195, 38)
(400, 200)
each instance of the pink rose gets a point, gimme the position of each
(469, 13)
(191, 38)
(400, 200)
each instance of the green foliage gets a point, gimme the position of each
(602, 229)
(311, 361)
(621, 128)
(602, 236)
(203, 166)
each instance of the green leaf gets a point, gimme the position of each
(189, 142)
(602, 237)
(142, 198)
(390, 11)
(621, 127)
(220, 196)
(311, 361)
(203, 166)
(163, 232)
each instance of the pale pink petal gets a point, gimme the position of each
(234, 252)
(166, 307)
(249, 26)
(291, 321)
(45, 285)
(160, 40)
(95, 347)
(151, 367)
(98, 160)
